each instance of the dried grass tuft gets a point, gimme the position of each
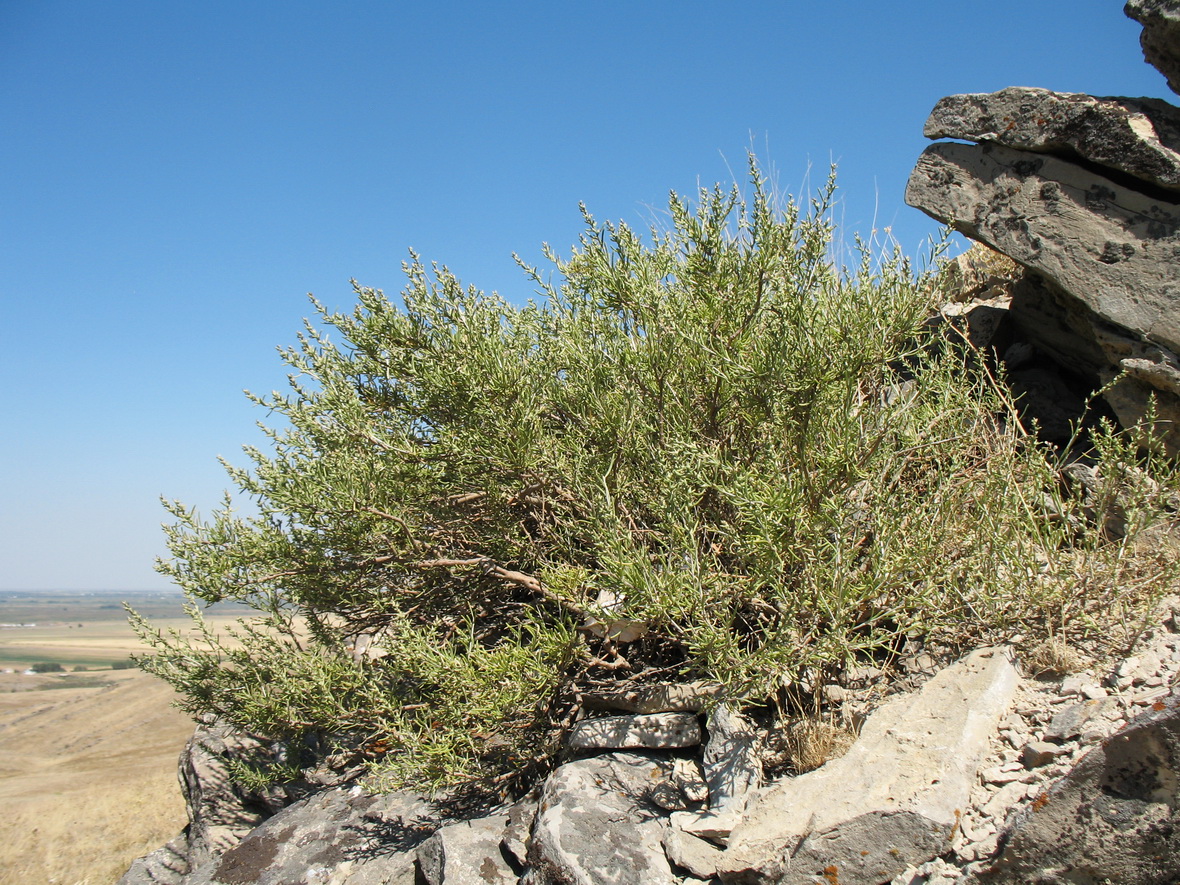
(812, 742)
(1053, 656)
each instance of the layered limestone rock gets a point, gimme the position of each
(1138, 137)
(1161, 36)
(893, 800)
(1085, 193)
(1080, 776)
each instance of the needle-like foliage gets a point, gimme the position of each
(707, 452)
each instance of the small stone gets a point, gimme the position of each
(668, 797)
(716, 827)
(686, 775)
(999, 776)
(834, 694)
(1074, 685)
(655, 731)
(691, 853)
(517, 831)
(864, 674)
(1073, 720)
(1038, 753)
(731, 760)
(1004, 799)
(657, 698)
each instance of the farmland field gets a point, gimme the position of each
(87, 756)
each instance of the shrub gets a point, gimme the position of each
(711, 453)
(47, 667)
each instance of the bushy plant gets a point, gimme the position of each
(708, 453)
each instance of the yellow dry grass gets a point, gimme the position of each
(87, 774)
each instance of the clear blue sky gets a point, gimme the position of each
(176, 176)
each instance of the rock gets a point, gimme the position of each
(683, 786)
(987, 324)
(893, 800)
(733, 770)
(517, 833)
(1161, 35)
(338, 837)
(1108, 245)
(692, 854)
(594, 825)
(713, 826)
(220, 812)
(1038, 753)
(652, 731)
(1078, 684)
(467, 853)
(933, 872)
(1078, 718)
(1139, 137)
(168, 865)
(1112, 818)
(1045, 400)
(1003, 799)
(1111, 303)
(732, 764)
(665, 697)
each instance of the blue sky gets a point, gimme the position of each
(176, 176)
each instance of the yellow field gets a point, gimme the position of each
(87, 760)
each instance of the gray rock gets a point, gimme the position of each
(652, 731)
(338, 837)
(1109, 246)
(683, 786)
(1113, 818)
(517, 833)
(220, 812)
(733, 771)
(732, 761)
(467, 853)
(1076, 719)
(168, 865)
(1161, 35)
(664, 697)
(595, 825)
(1139, 137)
(893, 800)
(692, 854)
(1107, 252)
(713, 826)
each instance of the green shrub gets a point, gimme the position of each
(710, 453)
(47, 667)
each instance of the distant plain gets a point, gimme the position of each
(87, 756)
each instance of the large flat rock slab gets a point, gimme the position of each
(1113, 248)
(1108, 256)
(893, 800)
(1136, 136)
